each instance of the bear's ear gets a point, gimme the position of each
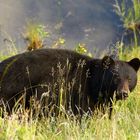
(135, 63)
(107, 61)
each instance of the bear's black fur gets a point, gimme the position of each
(61, 77)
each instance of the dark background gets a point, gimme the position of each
(93, 22)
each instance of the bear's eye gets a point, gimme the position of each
(129, 79)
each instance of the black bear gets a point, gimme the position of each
(65, 78)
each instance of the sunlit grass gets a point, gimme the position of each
(129, 53)
(130, 16)
(124, 125)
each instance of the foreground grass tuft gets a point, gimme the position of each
(123, 126)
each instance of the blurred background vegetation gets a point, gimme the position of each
(125, 123)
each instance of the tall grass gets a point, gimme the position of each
(124, 125)
(130, 16)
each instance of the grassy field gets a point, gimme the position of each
(124, 125)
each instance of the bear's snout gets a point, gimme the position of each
(121, 95)
(123, 90)
(124, 94)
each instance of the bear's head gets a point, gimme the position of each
(119, 77)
